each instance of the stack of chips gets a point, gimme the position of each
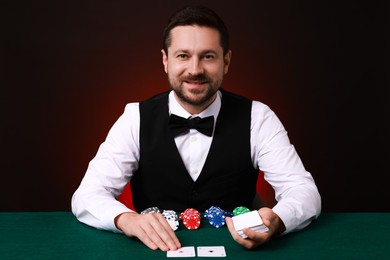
(215, 216)
(190, 218)
(240, 210)
(172, 218)
(151, 210)
(169, 215)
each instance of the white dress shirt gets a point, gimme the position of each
(298, 201)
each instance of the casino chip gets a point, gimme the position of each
(172, 218)
(191, 218)
(216, 216)
(240, 210)
(151, 210)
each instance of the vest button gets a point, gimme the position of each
(194, 193)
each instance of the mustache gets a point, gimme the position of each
(199, 78)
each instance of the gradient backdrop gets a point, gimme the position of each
(69, 68)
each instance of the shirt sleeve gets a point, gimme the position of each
(297, 196)
(95, 201)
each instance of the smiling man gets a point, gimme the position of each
(195, 63)
(211, 160)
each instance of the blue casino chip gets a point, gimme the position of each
(216, 216)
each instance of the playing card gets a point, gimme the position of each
(250, 220)
(186, 251)
(245, 220)
(211, 251)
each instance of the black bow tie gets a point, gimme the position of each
(180, 125)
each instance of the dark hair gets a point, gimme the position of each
(196, 15)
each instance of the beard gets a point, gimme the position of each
(195, 97)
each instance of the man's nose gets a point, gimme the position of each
(195, 66)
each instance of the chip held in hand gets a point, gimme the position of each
(250, 220)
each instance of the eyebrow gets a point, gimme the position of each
(187, 51)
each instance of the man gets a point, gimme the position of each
(193, 168)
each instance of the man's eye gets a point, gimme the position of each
(209, 57)
(182, 56)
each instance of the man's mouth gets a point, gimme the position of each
(195, 82)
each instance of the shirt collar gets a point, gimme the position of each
(211, 110)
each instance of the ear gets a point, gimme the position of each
(165, 60)
(226, 61)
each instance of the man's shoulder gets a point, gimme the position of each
(158, 96)
(229, 94)
(155, 103)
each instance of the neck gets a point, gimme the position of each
(195, 109)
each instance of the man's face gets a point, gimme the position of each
(195, 65)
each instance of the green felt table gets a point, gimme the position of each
(58, 235)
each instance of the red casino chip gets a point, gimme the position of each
(192, 224)
(191, 218)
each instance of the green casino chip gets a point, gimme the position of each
(240, 210)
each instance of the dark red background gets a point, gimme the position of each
(68, 69)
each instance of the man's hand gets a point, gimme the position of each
(152, 229)
(255, 239)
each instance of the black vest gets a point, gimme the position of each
(227, 180)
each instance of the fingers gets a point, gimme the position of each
(232, 230)
(148, 241)
(151, 229)
(254, 238)
(240, 240)
(157, 230)
(166, 233)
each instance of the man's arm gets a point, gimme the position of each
(95, 201)
(298, 199)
